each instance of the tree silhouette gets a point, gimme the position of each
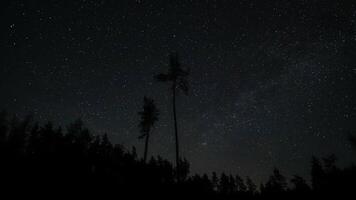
(300, 184)
(330, 163)
(224, 184)
(18, 134)
(3, 128)
(214, 181)
(183, 169)
(149, 116)
(232, 184)
(177, 77)
(251, 186)
(276, 183)
(317, 174)
(240, 184)
(352, 140)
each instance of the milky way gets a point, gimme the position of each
(271, 83)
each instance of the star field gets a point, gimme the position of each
(271, 83)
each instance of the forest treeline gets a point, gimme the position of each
(43, 157)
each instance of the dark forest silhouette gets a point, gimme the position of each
(45, 156)
(41, 157)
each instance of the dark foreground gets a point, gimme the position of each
(46, 160)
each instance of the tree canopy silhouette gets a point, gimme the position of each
(178, 79)
(149, 116)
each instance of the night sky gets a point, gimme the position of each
(271, 82)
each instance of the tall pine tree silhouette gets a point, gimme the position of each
(178, 78)
(149, 116)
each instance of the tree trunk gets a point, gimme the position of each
(146, 147)
(176, 131)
